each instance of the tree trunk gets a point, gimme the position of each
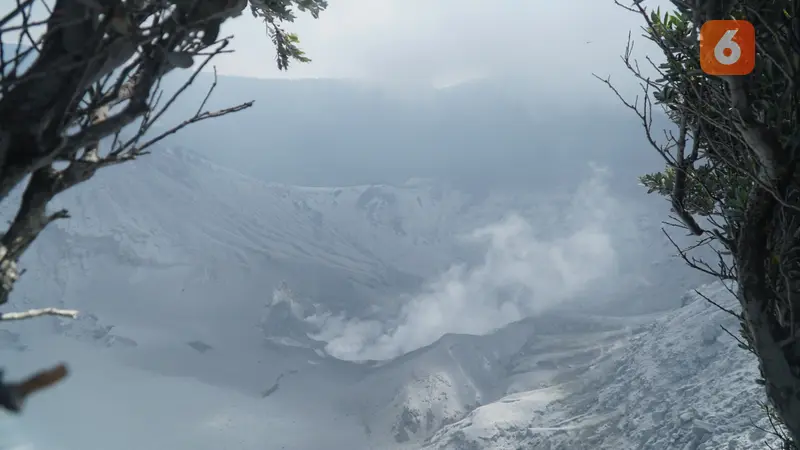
(769, 268)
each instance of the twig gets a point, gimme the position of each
(742, 343)
(722, 308)
(200, 117)
(31, 313)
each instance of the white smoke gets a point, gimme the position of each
(522, 274)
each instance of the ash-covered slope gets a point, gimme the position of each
(672, 381)
(184, 342)
(174, 242)
(675, 381)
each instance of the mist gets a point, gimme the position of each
(524, 271)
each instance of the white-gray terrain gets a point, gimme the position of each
(221, 312)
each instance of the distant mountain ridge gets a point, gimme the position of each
(479, 135)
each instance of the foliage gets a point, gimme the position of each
(731, 171)
(86, 70)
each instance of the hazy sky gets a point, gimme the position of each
(552, 45)
(549, 43)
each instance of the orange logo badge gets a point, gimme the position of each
(727, 47)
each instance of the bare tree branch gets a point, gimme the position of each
(13, 395)
(82, 71)
(31, 313)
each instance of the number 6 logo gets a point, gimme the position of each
(727, 47)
